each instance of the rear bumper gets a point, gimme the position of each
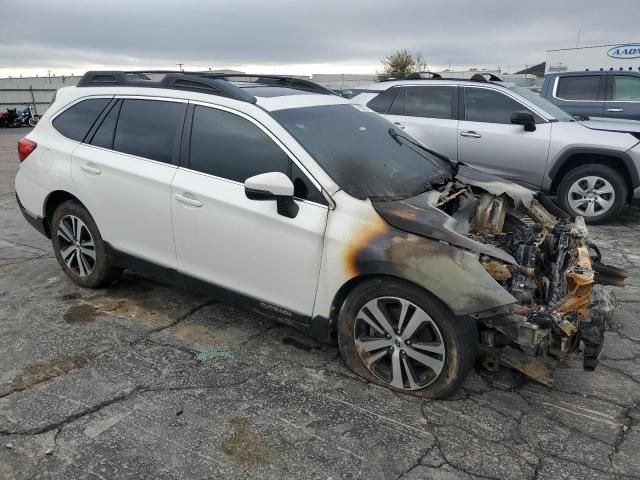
(35, 221)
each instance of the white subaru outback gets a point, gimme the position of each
(273, 192)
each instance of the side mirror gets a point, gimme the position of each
(273, 186)
(522, 117)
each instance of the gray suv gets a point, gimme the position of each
(609, 94)
(591, 166)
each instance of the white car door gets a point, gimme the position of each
(428, 113)
(239, 244)
(123, 173)
(489, 141)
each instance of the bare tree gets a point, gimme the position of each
(401, 63)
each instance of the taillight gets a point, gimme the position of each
(25, 147)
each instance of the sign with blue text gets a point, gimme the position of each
(630, 50)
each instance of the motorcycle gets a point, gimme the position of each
(26, 117)
(8, 118)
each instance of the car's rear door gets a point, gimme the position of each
(123, 174)
(489, 141)
(238, 244)
(623, 96)
(580, 95)
(428, 113)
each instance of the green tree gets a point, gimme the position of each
(400, 64)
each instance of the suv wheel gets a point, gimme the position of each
(596, 192)
(78, 246)
(395, 334)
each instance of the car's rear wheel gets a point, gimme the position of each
(396, 334)
(596, 192)
(78, 246)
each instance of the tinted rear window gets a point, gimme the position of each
(75, 122)
(626, 88)
(382, 102)
(148, 128)
(584, 87)
(430, 102)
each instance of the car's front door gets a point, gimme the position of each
(236, 243)
(623, 96)
(427, 113)
(124, 171)
(489, 141)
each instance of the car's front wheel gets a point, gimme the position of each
(78, 246)
(596, 192)
(396, 334)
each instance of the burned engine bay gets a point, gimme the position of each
(542, 257)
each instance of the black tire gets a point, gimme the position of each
(101, 274)
(459, 335)
(593, 170)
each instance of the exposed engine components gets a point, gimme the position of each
(560, 310)
(496, 269)
(490, 214)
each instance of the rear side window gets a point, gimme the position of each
(397, 108)
(231, 147)
(382, 102)
(584, 87)
(626, 88)
(148, 128)
(105, 133)
(430, 102)
(484, 105)
(76, 121)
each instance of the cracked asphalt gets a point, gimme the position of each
(143, 380)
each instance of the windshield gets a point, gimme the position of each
(555, 111)
(363, 153)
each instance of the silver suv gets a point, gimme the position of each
(591, 166)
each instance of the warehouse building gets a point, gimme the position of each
(620, 56)
(36, 92)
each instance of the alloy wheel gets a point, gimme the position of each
(591, 196)
(76, 245)
(399, 343)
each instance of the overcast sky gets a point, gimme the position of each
(299, 36)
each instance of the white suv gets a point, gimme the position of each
(273, 192)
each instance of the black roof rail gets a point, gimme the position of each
(273, 80)
(482, 77)
(415, 76)
(478, 77)
(423, 76)
(175, 80)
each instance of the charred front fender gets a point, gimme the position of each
(453, 275)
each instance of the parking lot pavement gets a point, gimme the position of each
(142, 380)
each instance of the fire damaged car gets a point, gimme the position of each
(447, 263)
(551, 276)
(274, 193)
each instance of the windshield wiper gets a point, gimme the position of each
(393, 134)
(398, 136)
